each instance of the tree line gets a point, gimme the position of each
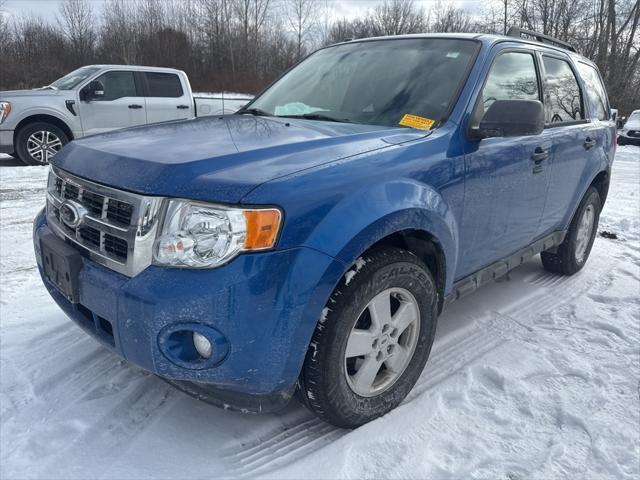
(243, 45)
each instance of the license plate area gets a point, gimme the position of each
(62, 265)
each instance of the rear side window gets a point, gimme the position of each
(562, 93)
(163, 84)
(117, 85)
(512, 77)
(596, 94)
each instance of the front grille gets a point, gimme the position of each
(116, 228)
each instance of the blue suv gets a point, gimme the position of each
(307, 244)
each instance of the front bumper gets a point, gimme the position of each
(626, 139)
(6, 141)
(266, 306)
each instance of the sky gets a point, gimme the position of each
(343, 8)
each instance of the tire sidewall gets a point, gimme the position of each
(591, 198)
(25, 132)
(400, 271)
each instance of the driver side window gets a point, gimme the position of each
(512, 77)
(117, 85)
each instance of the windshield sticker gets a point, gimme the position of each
(453, 54)
(414, 121)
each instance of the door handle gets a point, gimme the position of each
(539, 154)
(135, 105)
(589, 143)
(182, 107)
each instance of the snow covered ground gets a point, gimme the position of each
(534, 377)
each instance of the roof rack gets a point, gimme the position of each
(539, 37)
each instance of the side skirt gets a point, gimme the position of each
(472, 282)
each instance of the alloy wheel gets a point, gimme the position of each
(42, 145)
(585, 229)
(382, 342)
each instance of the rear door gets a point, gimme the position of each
(121, 106)
(506, 179)
(576, 140)
(166, 97)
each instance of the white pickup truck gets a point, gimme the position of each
(35, 124)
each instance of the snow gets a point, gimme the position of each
(226, 95)
(535, 376)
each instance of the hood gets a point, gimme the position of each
(218, 158)
(38, 92)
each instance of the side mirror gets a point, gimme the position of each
(94, 90)
(511, 118)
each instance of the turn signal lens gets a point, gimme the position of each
(262, 228)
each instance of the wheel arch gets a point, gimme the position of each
(427, 248)
(61, 124)
(601, 183)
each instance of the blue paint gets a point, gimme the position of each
(342, 188)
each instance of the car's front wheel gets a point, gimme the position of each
(372, 341)
(37, 142)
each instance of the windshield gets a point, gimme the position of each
(71, 80)
(380, 82)
(634, 119)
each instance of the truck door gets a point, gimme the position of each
(121, 104)
(166, 98)
(506, 179)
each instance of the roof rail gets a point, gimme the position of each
(539, 37)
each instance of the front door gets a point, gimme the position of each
(506, 179)
(122, 104)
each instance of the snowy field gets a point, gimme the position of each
(534, 377)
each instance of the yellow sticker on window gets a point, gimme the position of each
(414, 121)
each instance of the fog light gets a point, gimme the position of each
(203, 345)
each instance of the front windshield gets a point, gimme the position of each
(634, 119)
(380, 82)
(71, 80)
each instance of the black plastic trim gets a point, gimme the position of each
(235, 401)
(496, 270)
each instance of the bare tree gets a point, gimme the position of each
(397, 17)
(449, 18)
(302, 17)
(77, 20)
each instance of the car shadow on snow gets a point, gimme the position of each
(9, 161)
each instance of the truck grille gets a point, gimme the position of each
(114, 228)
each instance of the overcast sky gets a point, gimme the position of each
(343, 8)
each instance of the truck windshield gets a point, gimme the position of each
(381, 82)
(71, 80)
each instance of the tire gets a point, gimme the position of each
(54, 139)
(329, 385)
(571, 255)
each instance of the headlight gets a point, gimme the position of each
(5, 110)
(199, 235)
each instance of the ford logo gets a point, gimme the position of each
(72, 213)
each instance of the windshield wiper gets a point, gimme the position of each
(318, 116)
(254, 111)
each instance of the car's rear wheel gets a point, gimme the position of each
(571, 255)
(37, 142)
(372, 341)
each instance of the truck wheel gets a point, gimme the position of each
(574, 251)
(37, 142)
(372, 341)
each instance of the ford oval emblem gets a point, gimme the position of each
(72, 213)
